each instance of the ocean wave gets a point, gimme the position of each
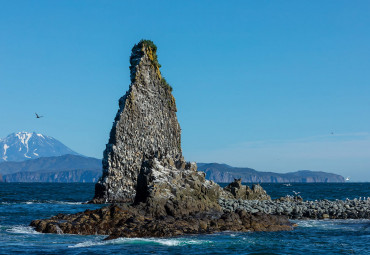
(349, 225)
(22, 230)
(155, 241)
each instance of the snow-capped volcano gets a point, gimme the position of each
(23, 145)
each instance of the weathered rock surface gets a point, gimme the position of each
(240, 191)
(145, 125)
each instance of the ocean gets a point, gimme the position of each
(20, 203)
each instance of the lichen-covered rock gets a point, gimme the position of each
(239, 191)
(145, 125)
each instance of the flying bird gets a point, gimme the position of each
(38, 116)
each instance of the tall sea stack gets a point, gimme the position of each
(143, 165)
(145, 126)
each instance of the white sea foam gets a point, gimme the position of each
(339, 224)
(22, 230)
(68, 203)
(52, 202)
(155, 241)
(86, 244)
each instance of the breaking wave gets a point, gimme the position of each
(152, 241)
(22, 230)
(344, 225)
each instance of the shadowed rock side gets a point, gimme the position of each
(145, 125)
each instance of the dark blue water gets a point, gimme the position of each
(23, 202)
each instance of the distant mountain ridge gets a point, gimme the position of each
(66, 168)
(76, 175)
(225, 173)
(33, 157)
(22, 146)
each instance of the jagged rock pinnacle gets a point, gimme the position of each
(145, 126)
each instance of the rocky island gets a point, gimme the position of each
(154, 192)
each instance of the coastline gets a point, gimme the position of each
(19, 206)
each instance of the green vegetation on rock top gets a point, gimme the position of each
(151, 51)
(148, 44)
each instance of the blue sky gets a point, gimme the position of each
(273, 85)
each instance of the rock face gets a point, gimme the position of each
(145, 126)
(240, 191)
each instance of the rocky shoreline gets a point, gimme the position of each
(296, 208)
(124, 220)
(172, 198)
(127, 221)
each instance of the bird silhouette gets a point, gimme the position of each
(38, 116)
